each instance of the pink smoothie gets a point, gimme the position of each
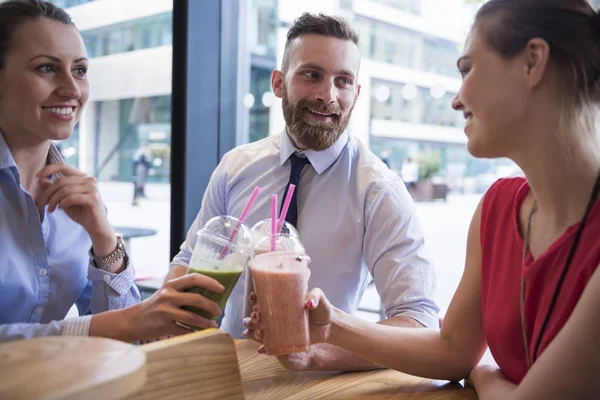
(249, 286)
(281, 295)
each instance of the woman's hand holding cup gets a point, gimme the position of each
(320, 319)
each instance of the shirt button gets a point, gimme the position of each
(38, 310)
(106, 278)
(43, 272)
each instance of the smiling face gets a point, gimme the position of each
(495, 98)
(43, 86)
(318, 90)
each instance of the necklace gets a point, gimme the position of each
(591, 202)
(522, 298)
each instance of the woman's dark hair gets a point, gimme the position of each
(570, 27)
(14, 13)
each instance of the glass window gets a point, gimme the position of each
(396, 107)
(70, 3)
(364, 27)
(439, 56)
(412, 6)
(260, 83)
(391, 44)
(263, 39)
(125, 140)
(438, 111)
(385, 43)
(398, 46)
(143, 33)
(406, 105)
(69, 148)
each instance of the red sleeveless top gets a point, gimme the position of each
(501, 268)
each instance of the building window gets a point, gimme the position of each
(415, 105)
(122, 127)
(438, 111)
(411, 6)
(391, 45)
(404, 48)
(454, 158)
(69, 3)
(263, 37)
(260, 83)
(69, 148)
(144, 33)
(439, 56)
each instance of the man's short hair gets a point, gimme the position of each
(321, 24)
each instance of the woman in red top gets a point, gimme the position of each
(530, 289)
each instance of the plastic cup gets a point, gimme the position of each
(220, 258)
(260, 231)
(281, 285)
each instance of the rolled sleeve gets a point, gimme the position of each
(113, 291)
(77, 326)
(396, 255)
(20, 331)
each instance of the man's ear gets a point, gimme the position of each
(277, 79)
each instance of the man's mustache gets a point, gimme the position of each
(320, 107)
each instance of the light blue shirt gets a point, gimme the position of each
(45, 266)
(355, 219)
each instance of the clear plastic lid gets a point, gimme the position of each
(263, 228)
(227, 231)
(283, 243)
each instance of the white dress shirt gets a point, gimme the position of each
(355, 217)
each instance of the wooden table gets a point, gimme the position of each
(69, 368)
(264, 378)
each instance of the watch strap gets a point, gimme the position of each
(119, 253)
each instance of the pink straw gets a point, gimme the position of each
(273, 220)
(286, 205)
(241, 220)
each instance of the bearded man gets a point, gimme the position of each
(354, 216)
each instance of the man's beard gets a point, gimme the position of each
(311, 134)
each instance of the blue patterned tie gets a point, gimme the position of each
(297, 164)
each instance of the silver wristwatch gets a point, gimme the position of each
(118, 254)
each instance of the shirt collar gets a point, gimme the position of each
(54, 156)
(7, 160)
(320, 160)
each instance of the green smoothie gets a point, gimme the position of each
(226, 278)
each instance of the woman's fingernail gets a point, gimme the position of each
(310, 304)
(252, 297)
(253, 315)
